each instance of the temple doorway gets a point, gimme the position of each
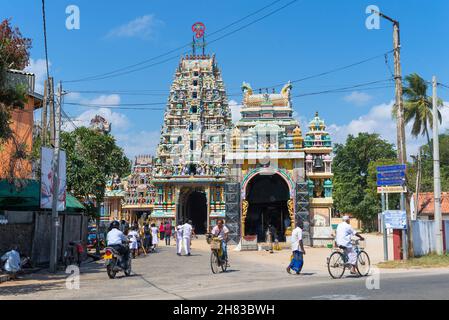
(196, 210)
(267, 196)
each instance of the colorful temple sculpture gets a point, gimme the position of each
(113, 200)
(189, 171)
(269, 181)
(140, 194)
(318, 149)
(98, 123)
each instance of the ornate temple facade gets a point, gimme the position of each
(261, 171)
(189, 171)
(318, 148)
(272, 181)
(140, 194)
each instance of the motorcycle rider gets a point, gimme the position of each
(116, 240)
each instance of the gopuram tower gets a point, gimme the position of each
(189, 171)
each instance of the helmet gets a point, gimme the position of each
(114, 224)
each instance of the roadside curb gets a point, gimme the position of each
(4, 278)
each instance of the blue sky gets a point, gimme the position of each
(306, 38)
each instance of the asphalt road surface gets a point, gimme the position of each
(164, 275)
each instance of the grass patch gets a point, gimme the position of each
(428, 261)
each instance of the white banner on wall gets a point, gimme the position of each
(47, 179)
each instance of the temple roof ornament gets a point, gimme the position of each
(281, 99)
(317, 137)
(297, 131)
(98, 123)
(317, 124)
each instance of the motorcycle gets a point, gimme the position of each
(113, 262)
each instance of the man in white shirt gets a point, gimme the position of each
(178, 237)
(115, 239)
(343, 238)
(297, 249)
(187, 232)
(12, 261)
(221, 231)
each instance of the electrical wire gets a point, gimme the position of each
(45, 40)
(328, 72)
(118, 72)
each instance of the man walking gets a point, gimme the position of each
(187, 232)
(298, 251)
(178, 237)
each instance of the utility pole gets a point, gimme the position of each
(436, 172)
(52, 111)
(418, 184)
(400, 125)
(44, 114)
(55, 169)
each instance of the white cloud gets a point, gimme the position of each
(379, 120)
(235, 110)
(110, 100)
(39, 68)
(137, 143)
(358, 98)
(119, 121)
(142, 27)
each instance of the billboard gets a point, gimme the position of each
(395, 219)
(46, 198)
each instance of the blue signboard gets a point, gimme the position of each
(389, 182)
(396, 167)
(395, 219)
(392, 175)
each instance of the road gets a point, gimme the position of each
(164, 275)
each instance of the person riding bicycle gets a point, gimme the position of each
(343, 239)
(118, 241)
(221, 231)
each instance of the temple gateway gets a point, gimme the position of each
(261, 171)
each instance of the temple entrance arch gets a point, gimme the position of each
(193, 206)
(267, 201)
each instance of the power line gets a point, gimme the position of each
(329, 71)
(93, 105)
(68, 118)
(118, 72)
(45, 40)
(443, 85)
(118, 107)
(253, 22)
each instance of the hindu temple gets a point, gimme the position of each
(262, 171)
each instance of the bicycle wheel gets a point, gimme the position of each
(336, 265)
(224, 265)
(363, 263)
(214, 262)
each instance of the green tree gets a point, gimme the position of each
(418, 106)
(352, 192)
(14, 54)
(92, 158)
(427, 166)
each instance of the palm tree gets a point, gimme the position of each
(418, 106)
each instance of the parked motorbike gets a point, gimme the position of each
(114, 263)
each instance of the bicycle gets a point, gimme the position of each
(337, 262)
(216, 260)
